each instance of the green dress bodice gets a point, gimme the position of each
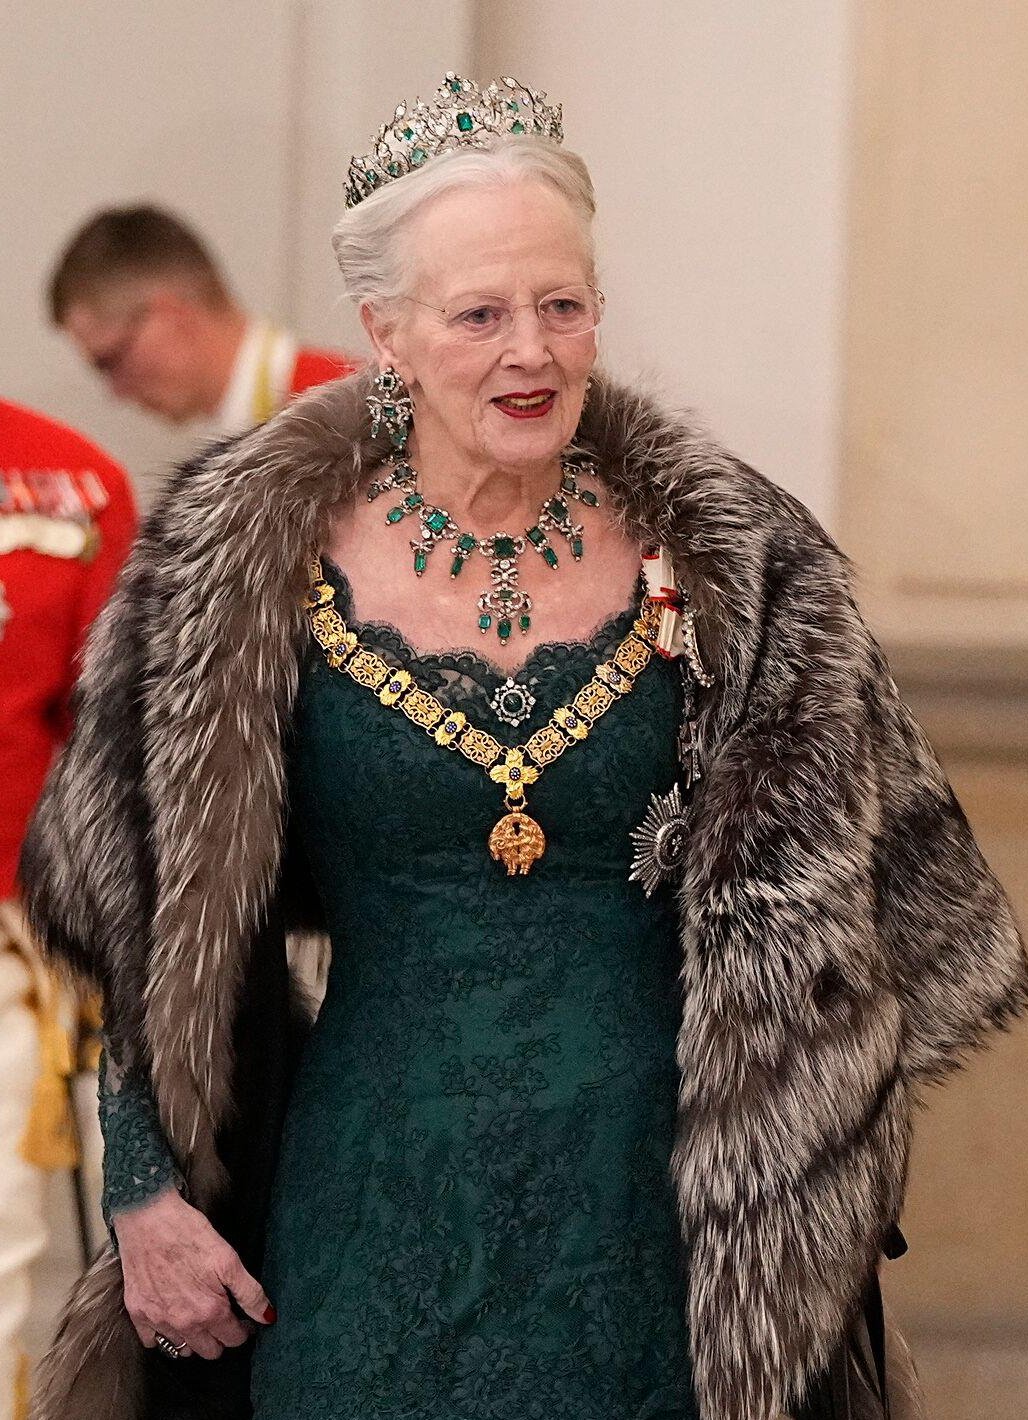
(473, 1217)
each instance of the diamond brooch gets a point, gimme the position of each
(512, 702)
(660, 841)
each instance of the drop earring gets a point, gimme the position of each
(391, 409)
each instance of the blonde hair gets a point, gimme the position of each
(370, 240)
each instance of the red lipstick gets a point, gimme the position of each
(518, 405)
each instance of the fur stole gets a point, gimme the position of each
(842, 940)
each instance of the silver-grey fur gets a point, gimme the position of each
(843, 941)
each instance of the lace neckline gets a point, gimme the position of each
(470, 663)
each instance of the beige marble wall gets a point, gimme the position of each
(960, 1293)
(934, 493)
(717, 135)
(935, 506)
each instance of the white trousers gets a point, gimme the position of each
(22, 1226)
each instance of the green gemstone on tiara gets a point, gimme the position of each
(460, 112)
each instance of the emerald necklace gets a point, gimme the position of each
(503, 603)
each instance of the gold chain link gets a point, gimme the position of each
(568, 725)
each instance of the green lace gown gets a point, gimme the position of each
(473, 1216)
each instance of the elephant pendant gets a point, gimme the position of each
(516, 842)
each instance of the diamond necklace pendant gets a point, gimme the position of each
(504, 602)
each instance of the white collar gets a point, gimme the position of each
(263, 369)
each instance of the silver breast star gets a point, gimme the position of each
(660, 841)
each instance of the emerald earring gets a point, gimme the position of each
(391, 409)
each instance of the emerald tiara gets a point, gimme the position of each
(461, 116)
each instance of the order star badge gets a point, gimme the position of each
(660, 841)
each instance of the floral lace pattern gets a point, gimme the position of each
(137, 1163)
(462, 679)
(473, 1216)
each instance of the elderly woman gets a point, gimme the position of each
(651, 910)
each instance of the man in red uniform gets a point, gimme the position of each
(147, 306)
(67, 518)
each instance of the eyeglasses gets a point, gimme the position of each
(573, 310)
(108, 361)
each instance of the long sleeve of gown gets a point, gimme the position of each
(138, 1163)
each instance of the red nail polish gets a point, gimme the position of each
(270, 1315)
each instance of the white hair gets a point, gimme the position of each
(371, 242)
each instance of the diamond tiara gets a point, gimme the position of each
(461, 116)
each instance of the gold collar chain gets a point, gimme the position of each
(516, 840)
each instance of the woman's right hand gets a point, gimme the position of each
(180, 1276)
